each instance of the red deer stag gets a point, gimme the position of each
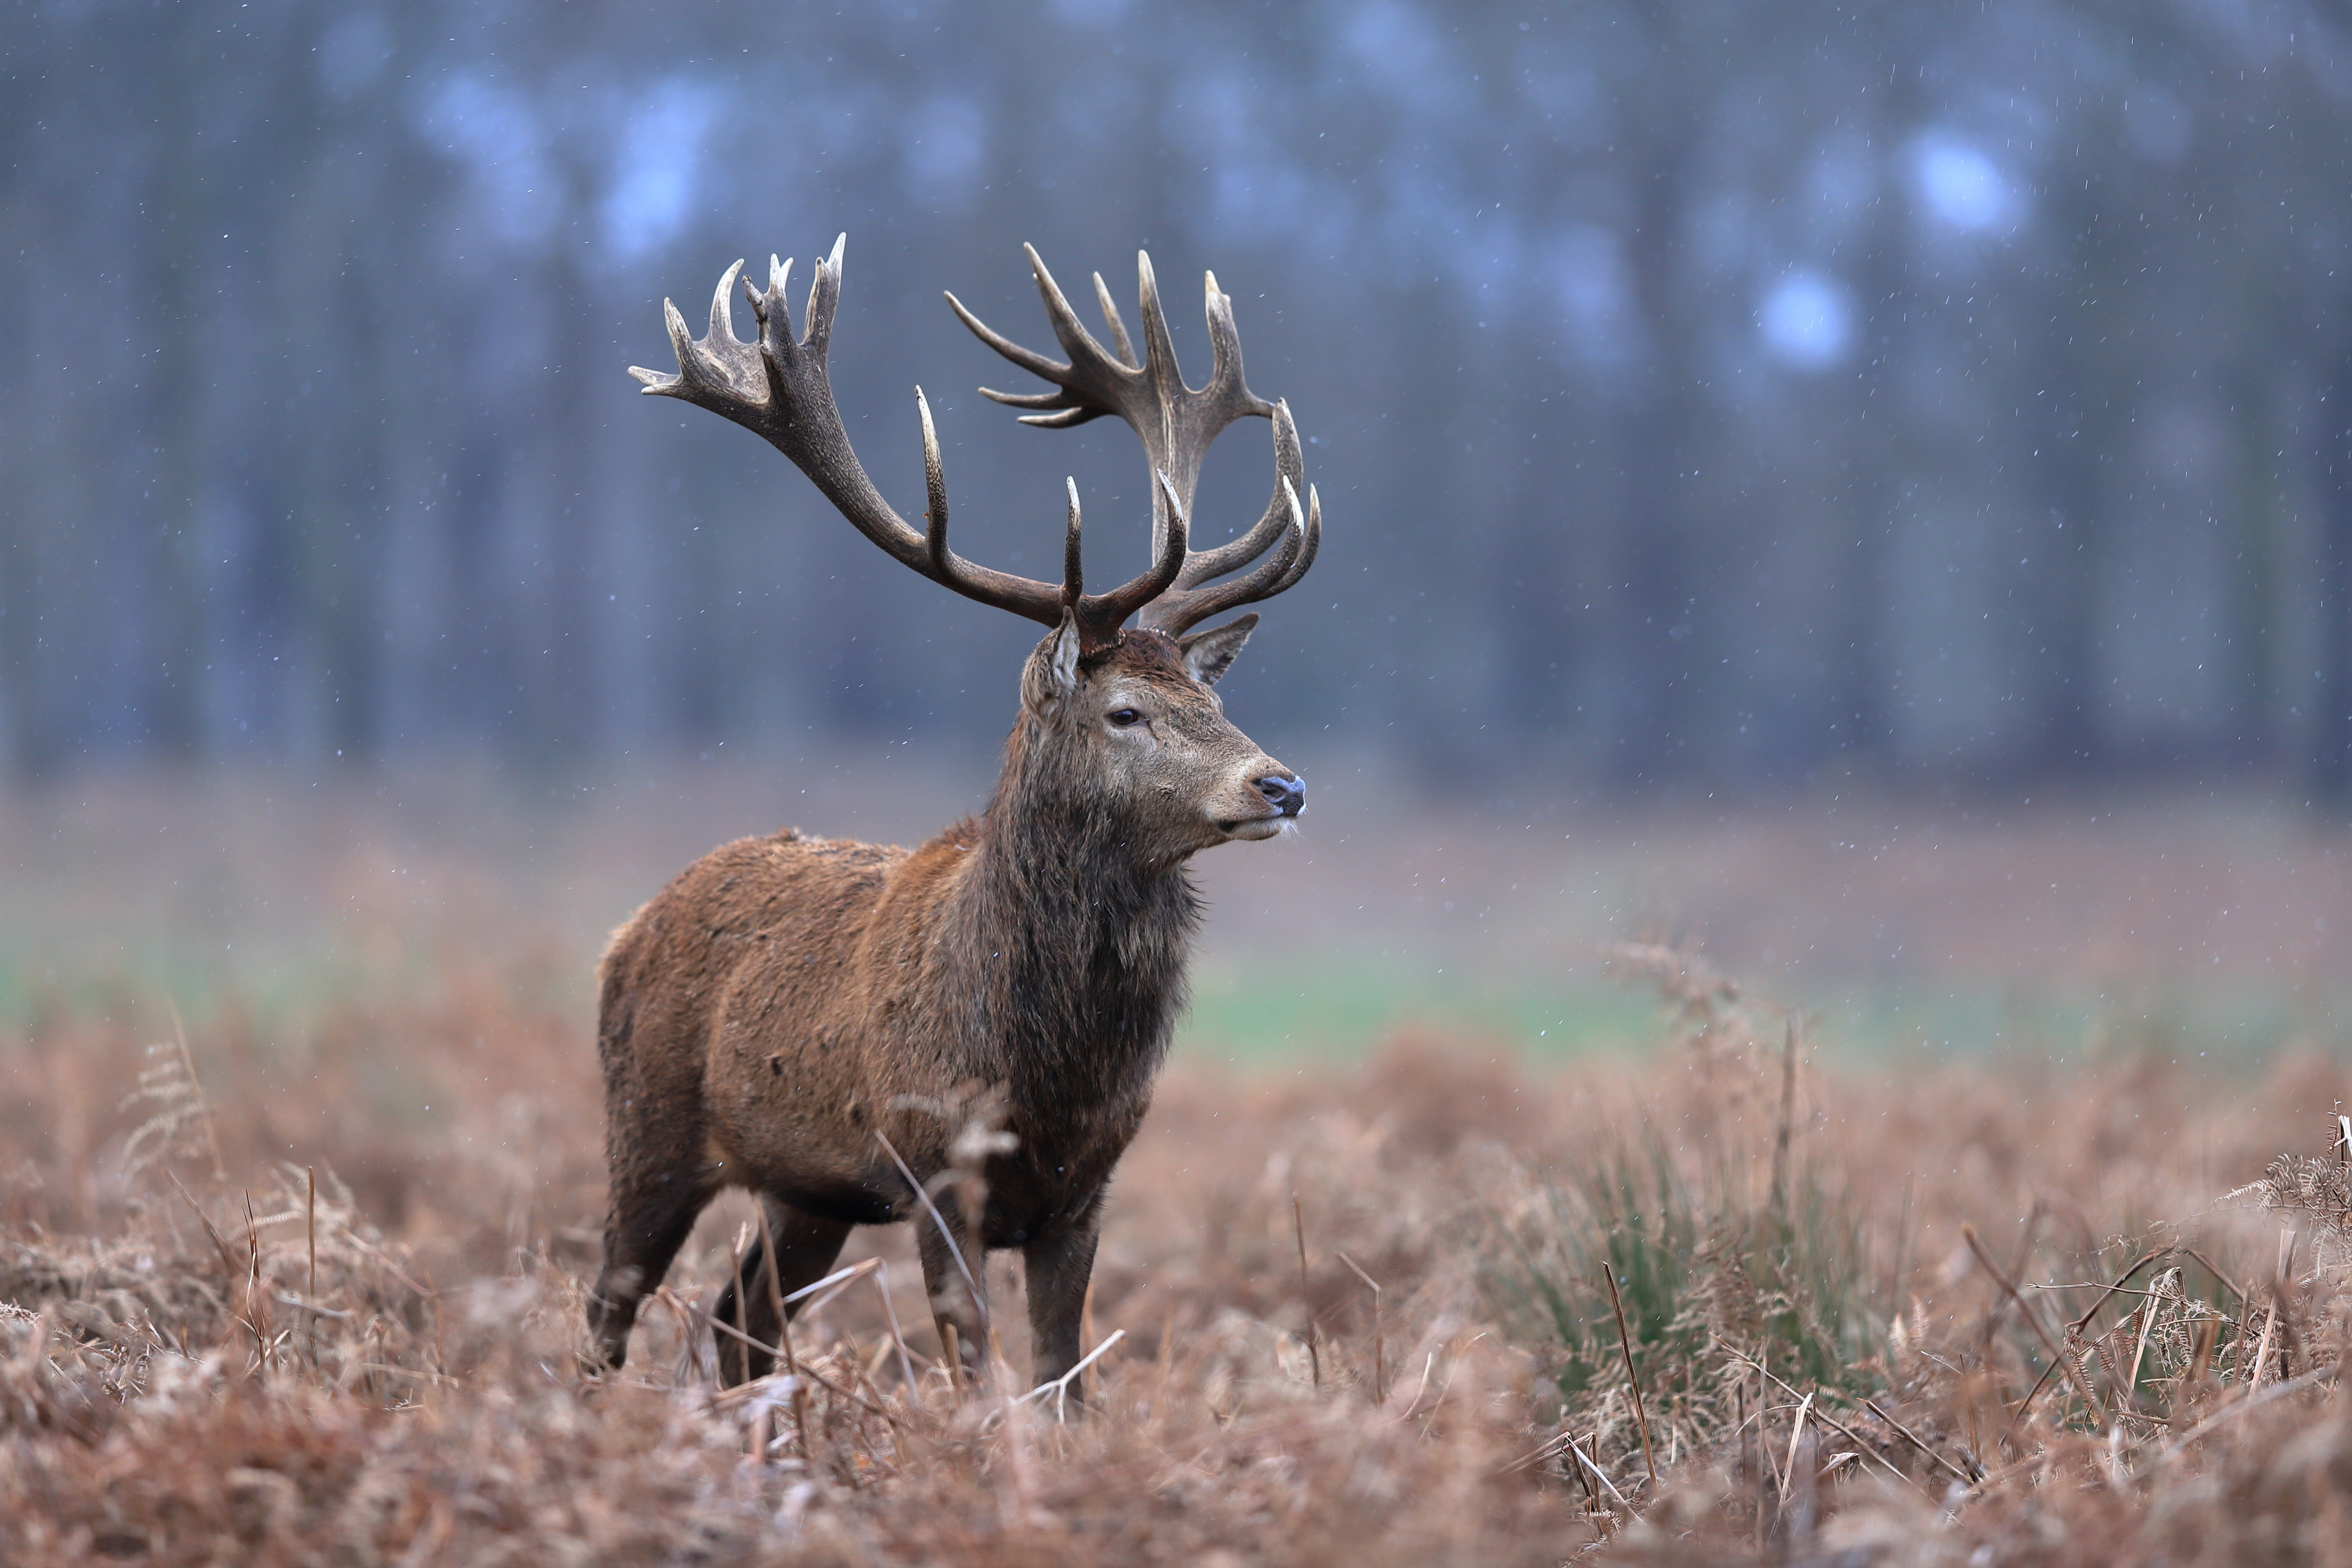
(798, 1016)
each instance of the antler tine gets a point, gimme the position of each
(1225, 353)
(1159, 348)
(722, 306)
(1307, 548)
(935, 492)
(1074, 575)
(779, 274)
(1176, 612)
(1030, 360)
(1290, 469)
(779, 346)
(657, 382)
(1086, 354)
(1116, 324)
(823, 298)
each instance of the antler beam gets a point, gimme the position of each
(1176, 425)
(778, 388)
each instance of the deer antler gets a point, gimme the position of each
(1176, 424)
(778, 387)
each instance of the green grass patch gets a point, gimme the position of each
(1709, 1273)
(1343, 1007)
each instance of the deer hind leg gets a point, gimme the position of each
(945, 1260)
(807, 1247)
(650, 1221)
(1057, 1266)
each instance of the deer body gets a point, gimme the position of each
(810, 1019)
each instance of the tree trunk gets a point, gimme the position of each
(2331, 736)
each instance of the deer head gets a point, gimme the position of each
(1118, 724)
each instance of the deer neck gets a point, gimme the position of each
(1079, 942)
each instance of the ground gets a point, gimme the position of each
(294, 1276)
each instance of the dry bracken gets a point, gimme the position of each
(1947, 1317)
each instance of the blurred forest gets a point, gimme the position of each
(1698, 391)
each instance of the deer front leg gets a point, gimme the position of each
(1058, 1264)
(946, 1257)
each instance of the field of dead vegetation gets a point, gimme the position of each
(297, 1282)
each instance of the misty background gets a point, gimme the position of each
(1701, 393)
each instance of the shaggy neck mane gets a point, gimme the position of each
(1080, 941)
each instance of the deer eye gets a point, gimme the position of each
(1123, 717)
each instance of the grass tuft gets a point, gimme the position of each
(1713, 1282)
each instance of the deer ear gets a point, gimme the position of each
(1052, 672)
(1208, 655)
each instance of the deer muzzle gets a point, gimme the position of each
(1286, 793)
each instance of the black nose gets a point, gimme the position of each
(1286, 793)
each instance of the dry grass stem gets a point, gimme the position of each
(1306, 1299)
(947, 1234)
(1633, 1379)
(1379, 1326)
(2032, 1319)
